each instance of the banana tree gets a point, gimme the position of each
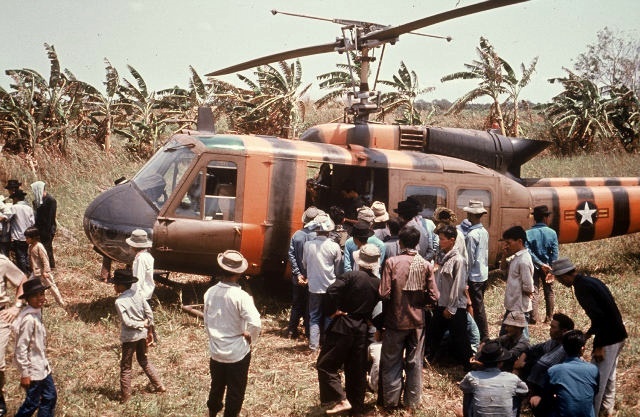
(514, 86)
(488, 69)
(407, 89)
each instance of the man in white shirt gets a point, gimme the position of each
(233, 324)
(519, 288)
(21, 219)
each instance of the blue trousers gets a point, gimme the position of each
(41, 396)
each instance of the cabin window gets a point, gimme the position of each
(213, 189)
(159, 177)
(463, 198)
(431, 197)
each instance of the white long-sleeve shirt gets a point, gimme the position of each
(31, 345)
(228, 313)
(322, 260)
(142, 269)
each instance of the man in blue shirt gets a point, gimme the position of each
(573, 383)
(543, 247)
(477, 242)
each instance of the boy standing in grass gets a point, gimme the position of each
(39, 259)
(232, 323)
(30, 356)
(136, 317)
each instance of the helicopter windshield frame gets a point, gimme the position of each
(163, 172)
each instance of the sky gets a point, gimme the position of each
(161, 38)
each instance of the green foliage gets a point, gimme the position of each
(403, 98)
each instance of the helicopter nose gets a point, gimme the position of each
(113, 215)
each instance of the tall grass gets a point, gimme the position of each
(83, 341)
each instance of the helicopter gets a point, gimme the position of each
(203, 192)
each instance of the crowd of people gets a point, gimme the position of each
(379, 296)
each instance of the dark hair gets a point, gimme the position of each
(336, 214)
(394, 226)
(538, 217)
(32, 232)
(565, 321)
(515, 233)
(573, 341)
(448, 230)
(409, 237)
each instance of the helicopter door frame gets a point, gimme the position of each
(203, 216)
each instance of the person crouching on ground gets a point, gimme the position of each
(233, 324)
(30, 354)
(136, 317)
(40, 266)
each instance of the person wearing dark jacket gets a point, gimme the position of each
(349, 302)
(45, 207)
(606, 327)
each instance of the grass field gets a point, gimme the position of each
(83, 340)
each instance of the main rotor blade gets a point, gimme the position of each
(282, 56)
(395, 31)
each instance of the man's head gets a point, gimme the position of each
(475, 210)
(233, 264)
(336, 214)
(514, 239)
(32, 233)
(309, 214)
(361, 232)
(541, 214)
(122, 280)
(560, 324)
(408, 208)
(514, 323)
(573, 343)
(33, 292)
(18, 195)
(444, 215)
(447, 234)
(409, 237)
(369, 257)
(564, 270)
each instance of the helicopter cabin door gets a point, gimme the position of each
(203, 218)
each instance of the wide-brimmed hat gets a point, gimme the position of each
(365, 213)
(369, 257)
(139, 239)
(445, 215)
(492, 352)
(475, 207)
(232, 261)
(310, 214)
(515, 233)
(361, 230)
(324, 223)
(409, 207)
(561, 266)
(515, 318)
(123, 277)
(380, 212)
(31, 287)
(12, 184)
(18, 194)
(541, 211)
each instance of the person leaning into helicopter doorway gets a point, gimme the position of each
(142, 268)
(233, 325)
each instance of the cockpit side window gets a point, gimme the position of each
(158, 178)
(220, 190)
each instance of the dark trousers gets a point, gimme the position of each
(457, 326)
(539, 280)
(233, 377)
(21, 250)
(476, 293)
(350, 351)
(5, 247)
(48, 245)
(299, 309)
(139, 347)
(41, 396)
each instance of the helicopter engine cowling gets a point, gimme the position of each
(487, 148)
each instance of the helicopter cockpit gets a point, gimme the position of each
(158, 178)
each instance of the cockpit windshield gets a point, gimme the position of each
(158, 178)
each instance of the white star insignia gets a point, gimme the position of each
(586, 213)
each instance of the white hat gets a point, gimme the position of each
(323, 222)
(380, 211)
(475, 207)
(309, 214)
(369, 257)
(515, 318)
(366, 214)
(232, 261)
(139, 239)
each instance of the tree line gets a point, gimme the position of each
(598, 106)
